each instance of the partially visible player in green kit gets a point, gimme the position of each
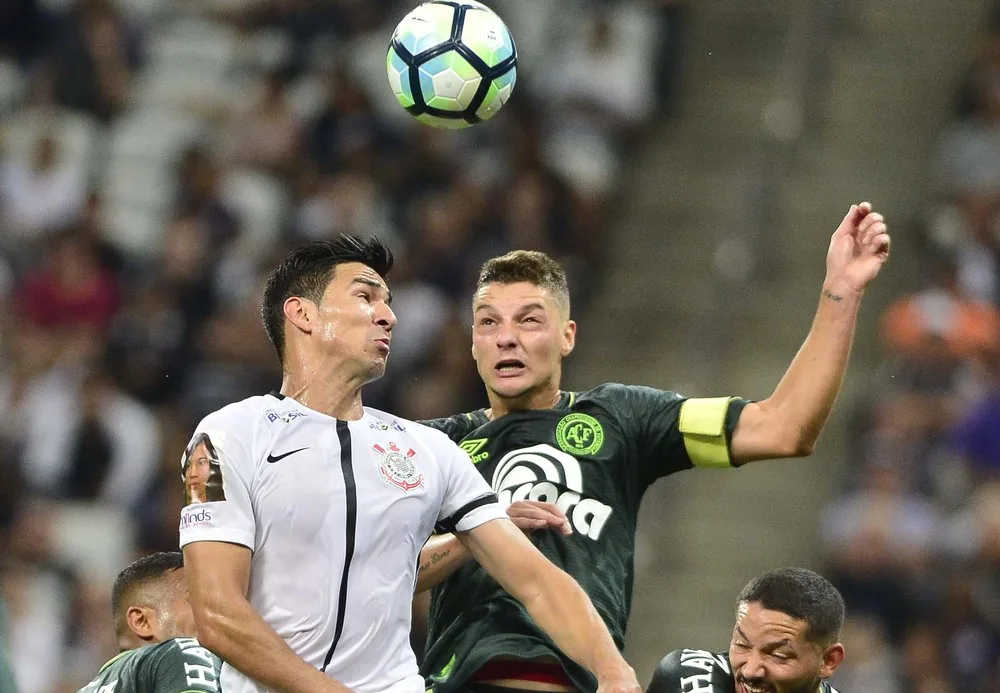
(155, 629)
(582, 460)
(8, 683)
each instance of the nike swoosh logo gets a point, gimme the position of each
(275, 458)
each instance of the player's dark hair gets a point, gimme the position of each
(137, 575)
(306, 272)
(801, 594)
(527, 266)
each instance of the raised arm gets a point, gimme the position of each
(788, 423)
(218, 575)
(554, 600)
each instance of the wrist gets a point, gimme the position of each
(616, 672)
(840, 291)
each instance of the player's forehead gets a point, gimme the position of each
(512, 297)
(764, 625)
(348, 274)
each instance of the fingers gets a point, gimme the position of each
(855, 216)
(880, 245)
(871, 226)
(531, 515)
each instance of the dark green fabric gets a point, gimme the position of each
(178, 665)
(594, 454)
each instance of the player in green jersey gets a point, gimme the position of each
(785, 640)
(591, 455)
(155, 629)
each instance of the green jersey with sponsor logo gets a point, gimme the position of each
(593, 455)
(699, 671)
(179, 665)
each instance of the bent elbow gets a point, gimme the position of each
(210, 627)
(801, 446)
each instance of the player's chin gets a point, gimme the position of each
(376, 369)
(511, 388)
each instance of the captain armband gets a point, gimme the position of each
(703, 425)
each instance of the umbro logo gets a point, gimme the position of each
(276, 458)
(472, 448)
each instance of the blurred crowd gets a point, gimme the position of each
(914, 540)
(159, 156)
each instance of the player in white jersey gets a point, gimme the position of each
(307, 512)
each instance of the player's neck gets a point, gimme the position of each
(530, 401)
(329, 388)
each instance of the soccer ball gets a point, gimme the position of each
(452, 63)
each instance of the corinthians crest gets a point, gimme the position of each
(397, 467)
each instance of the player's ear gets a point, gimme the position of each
(300, 312)
(141, 621)
(568, 338)
(832, 657)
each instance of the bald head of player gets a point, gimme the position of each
(521, 330)
(326, 311)
(149, 601)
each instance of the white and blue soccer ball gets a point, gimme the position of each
(452, 63)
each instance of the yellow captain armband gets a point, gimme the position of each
(703, 425)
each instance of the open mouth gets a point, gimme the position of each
(509, 367)
(745, 687)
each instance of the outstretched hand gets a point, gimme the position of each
(530, 515)
(858, 249)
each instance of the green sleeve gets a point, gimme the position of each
(181, 665)
(671, 432)
(456, 427)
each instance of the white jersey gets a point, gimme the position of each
(336, 513)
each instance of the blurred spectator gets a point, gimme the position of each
(42, 195)
(870, 665)
(199, 197)
(881, 537)
(976, 436)
(21, 29)
(94, 59)
(85, 439)
(923, 660)
(267, 134)
(71, 291)
(913, 325)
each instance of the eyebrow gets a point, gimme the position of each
(521, 311)
(773, 645)
(375, 285)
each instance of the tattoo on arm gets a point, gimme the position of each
(832, 296)
(435, 559)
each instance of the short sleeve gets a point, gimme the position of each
(456, 427)
(469, 501)
(182, 665)
(667, 677)
(672, 432)
(217, 474)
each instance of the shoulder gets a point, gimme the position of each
(179, 655)
(620, 399)
(420, 431)
(679, 669)
(242, 415)
(460, 425)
